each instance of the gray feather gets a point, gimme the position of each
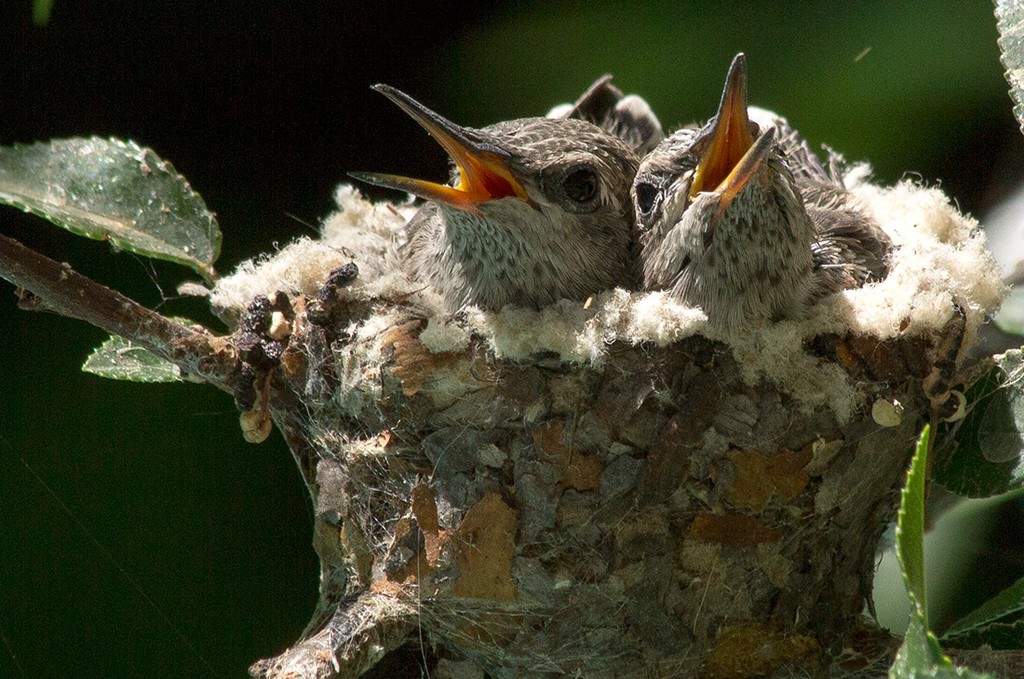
(628, 117)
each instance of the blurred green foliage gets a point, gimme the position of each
(898, 84)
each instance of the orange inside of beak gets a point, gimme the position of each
(731, 137)
(484, 174)
(482, 178)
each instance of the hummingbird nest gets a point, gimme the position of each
(608, 489)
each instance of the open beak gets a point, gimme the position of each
(483, 168)
(748, 166)
(728, 155)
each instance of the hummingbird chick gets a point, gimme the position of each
(537, 210)
(740, 218)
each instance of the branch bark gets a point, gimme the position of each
(358, 634)
(61, 289)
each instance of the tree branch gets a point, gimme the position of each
(361, 632)
(61, 289)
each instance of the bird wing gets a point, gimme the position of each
(628, 117)
(851, 249)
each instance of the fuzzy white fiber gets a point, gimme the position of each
(939, 260)
(359, 231)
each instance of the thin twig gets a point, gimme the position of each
(363, 629)
(62, 290)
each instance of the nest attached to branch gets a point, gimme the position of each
(610, 489)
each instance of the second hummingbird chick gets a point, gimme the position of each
(741, 220)
(537, 210)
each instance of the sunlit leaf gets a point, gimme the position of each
(1010, 21)
(920, 656)
(119, 359)
(116, 190)
(910, 527)
(920, 651)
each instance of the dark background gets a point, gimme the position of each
(139, 534)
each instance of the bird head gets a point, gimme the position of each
(565, 164)
(720, 158)
(537, 209)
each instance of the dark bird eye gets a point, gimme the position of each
(580, 185)
(645, 196)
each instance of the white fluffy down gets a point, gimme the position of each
(359, 231)
(940, 259)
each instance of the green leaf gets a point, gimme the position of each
(1010, 21)
(987, 449)
(41, 12)
(119, 359)
(998, 635)
(920, 656)
(116, 190)
(1010, 317)
(939, 672)
(920, 651)
(1007, 602)
(910, 528)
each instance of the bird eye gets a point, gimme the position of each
(646, 194)
(580, 185)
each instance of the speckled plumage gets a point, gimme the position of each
(751, 259)
(515, 253)
(537, 210)
(765, 248)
